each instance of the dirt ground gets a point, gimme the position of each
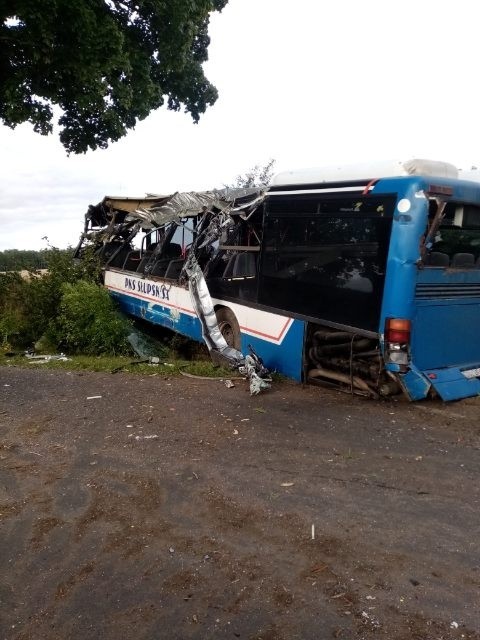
(179, 508)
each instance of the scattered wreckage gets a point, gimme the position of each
(366, 278)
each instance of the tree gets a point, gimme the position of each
(105, 63)
(18, 259)
(257, 176)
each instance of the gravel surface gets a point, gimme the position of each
(180, 508)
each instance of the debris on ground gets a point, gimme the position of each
(145, 346)
(40, 359)
(254, 369)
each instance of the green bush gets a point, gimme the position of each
(88, 321)
(66, 306)
(41, 295)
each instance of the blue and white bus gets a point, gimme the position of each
(365, 277)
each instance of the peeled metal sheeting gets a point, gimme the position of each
(190, 204)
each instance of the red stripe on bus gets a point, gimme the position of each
(266, 335)
(191, 312)
(369, 186)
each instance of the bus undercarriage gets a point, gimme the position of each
(345, 359)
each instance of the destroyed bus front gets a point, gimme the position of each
(371, 285)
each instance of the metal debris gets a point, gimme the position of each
(45, 358)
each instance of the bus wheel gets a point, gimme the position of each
(229, 327)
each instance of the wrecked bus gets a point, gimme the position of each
(367, 278)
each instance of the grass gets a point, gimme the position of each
(114, 364)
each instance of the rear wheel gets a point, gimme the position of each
(229, 327)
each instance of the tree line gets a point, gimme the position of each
(21, 259)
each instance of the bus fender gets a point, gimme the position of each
(414, 384)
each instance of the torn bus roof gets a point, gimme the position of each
(158, 210)
(119, 219)
(130, 204)
(117, 207)
(191, 204)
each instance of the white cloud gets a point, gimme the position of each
(309, 83)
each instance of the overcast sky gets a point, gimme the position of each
(309, 83)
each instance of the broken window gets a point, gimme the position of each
(233, 273)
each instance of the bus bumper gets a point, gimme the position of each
(451, 383)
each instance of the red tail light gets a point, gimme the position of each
(397, 330)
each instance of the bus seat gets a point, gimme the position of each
(143, 262)
(174, 269)
(245, 266)
(172, 250)
(438, 259)
(119, 259)
(463, 260)
(160, 267)
(132, 261)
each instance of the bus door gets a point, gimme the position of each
(445, 344)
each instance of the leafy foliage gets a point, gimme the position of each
(88, 321)
(67, 305)
(41, 296)
(105, 63)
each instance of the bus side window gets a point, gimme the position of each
(457, 240)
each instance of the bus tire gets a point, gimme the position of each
(229, 327)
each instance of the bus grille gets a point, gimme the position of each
(442, 291)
